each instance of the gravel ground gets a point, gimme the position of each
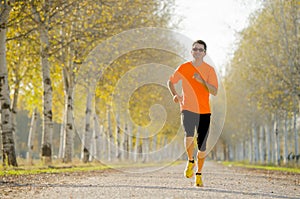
(219, 182)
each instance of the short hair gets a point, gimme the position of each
(200, 42)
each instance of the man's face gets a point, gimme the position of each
(198, 51)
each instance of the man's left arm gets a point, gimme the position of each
(211, 89)
(211, 85)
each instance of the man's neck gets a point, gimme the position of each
(197, 62)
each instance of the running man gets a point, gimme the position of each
(199, 80)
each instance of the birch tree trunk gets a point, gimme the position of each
(261, 145)
(47, 99)
(244, 150)
(31, 136)
(276, 141)
(87, 135)
(255, 143)
(15, 105)
(236, 151)
(278, 156)
(62, 138)
(118, 137)
(8, 142)
(69, 79)
(224, 151)
(109, 135)
(250, 150)
(124, 145)
(295, 129)
(241, 151)
(268, 143)
(1, 148)
(146, 147)
(93, 145)
(230, 152)
(130, 137)
(69, 130)
(102, 147)
(154, 144)
(66, 142)
(165, 142)
(285, 139)
(137, 142)
(98, 137)
(43, 27)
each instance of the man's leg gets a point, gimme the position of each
(200, 160)
(202, 130)
(189, 147)
(189, 121)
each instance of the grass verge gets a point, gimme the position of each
(75, 167)
(262, 167)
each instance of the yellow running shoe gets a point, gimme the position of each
(189, 172)
(198, 180)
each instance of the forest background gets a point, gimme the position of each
(50, 108)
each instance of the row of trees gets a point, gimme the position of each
(106, 144)
(43, 46)
(43, 50)
(263, 87)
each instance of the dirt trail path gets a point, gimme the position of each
(219, 181)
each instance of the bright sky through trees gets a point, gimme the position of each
(216, 22)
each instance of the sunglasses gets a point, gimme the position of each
(199, 49)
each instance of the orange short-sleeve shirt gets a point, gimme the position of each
(195, 95)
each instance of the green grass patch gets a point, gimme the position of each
(263, 167)
(76, 167)
(30, 171)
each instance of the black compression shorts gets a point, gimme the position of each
(200, 122)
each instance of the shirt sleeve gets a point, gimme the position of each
(212, 78)
(175, 77)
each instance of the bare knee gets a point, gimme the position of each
(189, 141)
(201, 154)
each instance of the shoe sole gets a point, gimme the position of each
(188, 176)
(191, 174)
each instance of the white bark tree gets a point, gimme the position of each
(276, 140)
(109, 136)
(87, 130)
(98, 137)
(136, 146)
(130, 145)
(8, 142)
(285, 139)
(255, 143)
(261, 141)
(31, 136)
(61, 150)
(268, 143)
(118, 137)
(146, 146)
(124, 144)
(69, 81)
(43, 23)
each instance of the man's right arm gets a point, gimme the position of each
(171, 88)
(173, 91)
